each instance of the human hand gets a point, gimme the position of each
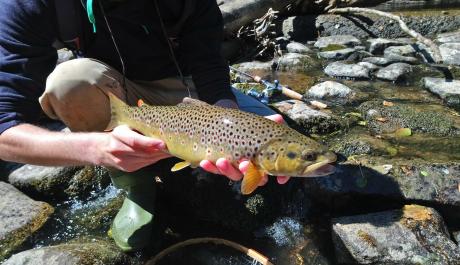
(224, 167)
(128, 150)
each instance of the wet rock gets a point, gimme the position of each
(345, 40)
(371, 26)
(58, 181)
(370, 66)
(337, 54)
(394, 72)
(296, 47)
(396, 58)
(329, 89)
(291, 61)
(381, 61)
(448, 90)
(418, 119)
(20, 217)
(310, 120)
(413, 235)
(406, 50)
(449, 37)
(92, 252)
(253, 66)
(340, 69)
(450, 53)
(378, 45)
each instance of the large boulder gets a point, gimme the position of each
(413, 235)
(20, 217)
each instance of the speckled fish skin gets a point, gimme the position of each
(194, 131)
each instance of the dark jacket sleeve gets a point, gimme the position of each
(26, 58)
(200, 45)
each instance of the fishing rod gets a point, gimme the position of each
(270, 88)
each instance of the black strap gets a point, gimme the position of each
(70, 24)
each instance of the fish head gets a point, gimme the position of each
(296, 156)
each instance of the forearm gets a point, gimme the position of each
(30, 144)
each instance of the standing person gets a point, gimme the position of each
(158, 51)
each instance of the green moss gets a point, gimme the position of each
(333, 47)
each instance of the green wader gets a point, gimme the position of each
(132, 226)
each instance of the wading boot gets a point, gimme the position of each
(132, 226)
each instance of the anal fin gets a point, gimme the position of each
(180, 165)
(251, 179)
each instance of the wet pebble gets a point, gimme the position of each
(412, 235)
(394, 72)
(345, 40)
(296, 47)
(450, 53)
(329, 89)
(340, 69)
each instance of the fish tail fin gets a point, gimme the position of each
(117, 112)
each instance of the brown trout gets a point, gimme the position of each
(194, 130)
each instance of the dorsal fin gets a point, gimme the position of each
(192, 102)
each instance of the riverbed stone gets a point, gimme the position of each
(344, 70)
(442, 87)
(92, 252)
(296, 47)
(20, 217)
(378, 45)
(292, 61)
(345, 40)
(308, 119)
(456, 235)
(412, 235)
(394, 72)
(337, 54)
(397, 58)
(405, 50)
(370, 66)
(450, 53)
(380, 61)
(254, 66)
(418, 118)
(329, 89)
(449, 37)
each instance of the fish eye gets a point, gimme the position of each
(309, 156)
(291, 155)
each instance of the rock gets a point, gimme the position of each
(457, 237)
(449, 37)
(381, 61)
(396, 58)
(298, 28)
(406, 50)
(255, 65)
(57, 181)
(64, 55)
(310, 120)
(292, 61)
(340, 69)
(413, 235)
(370, 66)
(427, 23)
(20, 217)
(394, 72)
(337, 54)
(417, 118)
(345, 40)
(378, 45)
(329, 89)
(448, 90)
(450, 53)
(93, 252)
(295, 47)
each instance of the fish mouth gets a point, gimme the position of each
(322, 168)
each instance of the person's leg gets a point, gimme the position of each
(76, 94)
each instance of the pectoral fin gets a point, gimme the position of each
(251, 179)
(180, 165)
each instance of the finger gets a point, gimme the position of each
(264, 180)
(228, 169)
(137, 140)
(243, 166)
(276, 118)
(210, 167)
(282, 179)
